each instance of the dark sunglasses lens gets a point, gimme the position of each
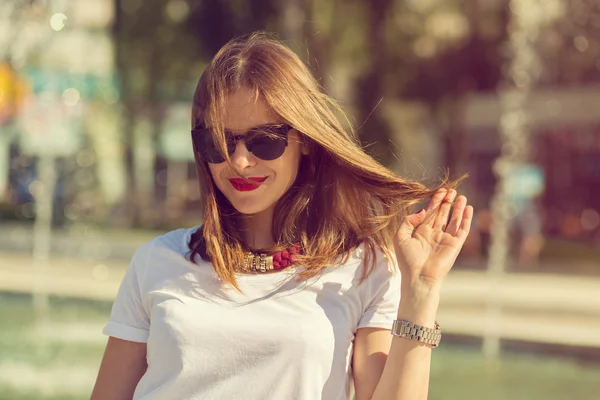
(204, 144)
(268, 145)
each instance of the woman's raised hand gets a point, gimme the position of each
(427, 243)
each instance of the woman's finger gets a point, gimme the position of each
(457, 215)
(408, 225)
(436, 199)
(441, 219)
(433, 205)
(465, 224)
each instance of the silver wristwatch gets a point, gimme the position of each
(408, 330)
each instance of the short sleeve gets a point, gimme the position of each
(129, 319)
(383, 293)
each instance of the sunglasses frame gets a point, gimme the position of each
(249, 136)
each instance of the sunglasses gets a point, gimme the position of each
(267, 142)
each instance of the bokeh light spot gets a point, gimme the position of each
(36, 188)
(71, 96)
(425, 47)
(581, 43)
(28, 210)
(58, 21)
(590, 219)
(71, 212)
(177, 10)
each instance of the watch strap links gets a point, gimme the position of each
(422, 334)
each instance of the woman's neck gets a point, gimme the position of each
(258, 230)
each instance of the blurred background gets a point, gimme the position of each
(96, 159)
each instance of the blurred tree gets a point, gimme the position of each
(152, 52)
(370, 86)
(434, 52)
(214, 23)
(456, 49)
(160, 49)
(134, 56)
(570, 47)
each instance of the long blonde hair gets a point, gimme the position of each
(352, 200)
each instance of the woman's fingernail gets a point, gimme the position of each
(420, 211)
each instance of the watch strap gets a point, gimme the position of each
(409, 330)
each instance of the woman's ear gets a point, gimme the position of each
(304, 149)
(304, 146)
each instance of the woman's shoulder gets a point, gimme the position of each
(169, 244)
(371, 262)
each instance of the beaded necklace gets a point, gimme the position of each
(261, 263)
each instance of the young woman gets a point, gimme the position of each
(290, 288)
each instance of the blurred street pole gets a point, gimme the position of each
(523, 70)
(42, 232)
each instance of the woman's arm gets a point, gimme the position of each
(389, 367)
(122, 367)
(426, 247)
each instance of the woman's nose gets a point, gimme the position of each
(241, 157)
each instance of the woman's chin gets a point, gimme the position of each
(250, 207)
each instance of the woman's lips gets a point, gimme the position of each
(242, 185)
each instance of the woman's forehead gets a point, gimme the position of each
(245, 109)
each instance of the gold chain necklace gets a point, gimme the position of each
(258, 262)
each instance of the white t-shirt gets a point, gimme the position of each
(281, 339)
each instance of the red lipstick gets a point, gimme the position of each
(243, 186)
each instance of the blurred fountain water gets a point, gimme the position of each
(523, 70)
